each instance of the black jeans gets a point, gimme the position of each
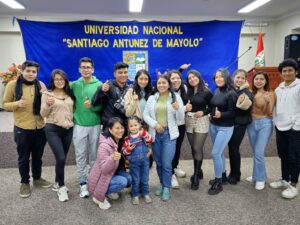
(30, 141)
(179, 141)
(288, 147)
(59, 140)
(234, 150)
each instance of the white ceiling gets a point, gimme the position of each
(180, 9)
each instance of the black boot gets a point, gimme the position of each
(195, 180)
(216, 187)
(233, 180)
(224, 179)
(200, 172)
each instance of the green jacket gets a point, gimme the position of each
(83, 90)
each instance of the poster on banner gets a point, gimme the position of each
(154, 45)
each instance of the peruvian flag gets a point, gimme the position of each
(260, 55)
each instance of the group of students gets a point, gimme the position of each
(140, 120)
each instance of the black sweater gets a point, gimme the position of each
(200, 101)
(225, 101)
(243, 117)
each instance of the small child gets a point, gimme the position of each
(136, 149)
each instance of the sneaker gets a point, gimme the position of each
(216, 188)
(249, 179)
(102, 205)
(165, 194)
(290, 192)
(62, 194)
(179, 172)
(83, 192)
(159, 191)
(278, 184)
(147, 199)
(174, 182)
(113, 196)
(259, 185)
(55, 187)
(42, 183)
(135, 200)
(24, 190)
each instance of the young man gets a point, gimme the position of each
(286, 117)
(111, 94)
(23, 98)
(87, 122)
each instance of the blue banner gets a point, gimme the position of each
(156, 46)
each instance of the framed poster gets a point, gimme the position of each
(136, 61)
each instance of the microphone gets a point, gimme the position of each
(237, 59)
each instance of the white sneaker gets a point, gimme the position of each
(113, 196)
(249, 179)
(102, 205)
(55, 187)
(259, 185)
(84, 193)
(279, 184)
(179, 172)
(62, 194)
(174, 182)
(290, 192)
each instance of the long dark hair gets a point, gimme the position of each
(201, 85)
(227, 79)
(267, 85)
(137, 89)
(111, 122)
(166, 77)
(182, 88)
(66, 88)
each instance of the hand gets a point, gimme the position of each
(135, 96)
(87, 103)
(159, 128)
(188, 106)
(42, 90)
(50, 100)
(105, 86)
(241, 98)
(199, 114)
(116, 156)
(22, 102)
(217, 114)
(267, 97)
(184, 66)
(175, 105)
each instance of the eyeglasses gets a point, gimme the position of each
(86, 67)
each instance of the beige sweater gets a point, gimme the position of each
(131, 106)
(60, 113)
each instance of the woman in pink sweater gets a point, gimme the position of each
(108, 175)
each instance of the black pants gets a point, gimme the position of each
(30, 141)
(234, 150)
(179, 141)
(288, 147)
(59, 140)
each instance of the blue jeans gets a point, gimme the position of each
(259, 133)
(220, 137)
(139, 170)
(163, 154)
(119, 181)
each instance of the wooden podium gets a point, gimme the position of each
(273, 74)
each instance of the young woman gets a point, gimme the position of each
(260, 130)
(162, 111)
(108, 175)
(197, 122)
(242, 119)
(221, 128)
(181, 89)
(57, 108)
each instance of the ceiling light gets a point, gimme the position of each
(13, 4)
(135, 6)
(253, 5)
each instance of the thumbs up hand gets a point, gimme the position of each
(22, 102)
(117, 156)
(105, 86)
(241, 98)
(267, 97)
(135, 96)
(188, 106)
(87, 103)
(175, 105)
(50, 100)
(217, 114)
